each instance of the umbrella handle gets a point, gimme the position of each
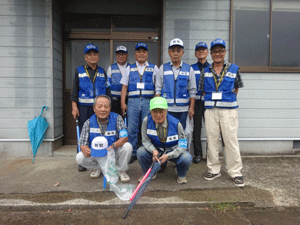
(43, 109)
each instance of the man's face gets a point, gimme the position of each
(122, 57)
(141, 55)
(201, 53)
(176, 53)
(159, 115)
(102, 108)
(218, 54)
(92, 57)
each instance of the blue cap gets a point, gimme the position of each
(141, 45)
(217, 41)
(201, 44)
(90, 47)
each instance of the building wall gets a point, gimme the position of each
(26, 77)
(269, 103)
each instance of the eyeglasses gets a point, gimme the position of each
(219, 51)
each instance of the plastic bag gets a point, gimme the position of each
(123, 191)
(188, 132)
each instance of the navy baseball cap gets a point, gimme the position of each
(90, 47)
(217, 41)
(201, 44)
(141, 45)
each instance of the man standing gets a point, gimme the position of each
(111, 126)
(163, 139)
(220, 86)
(176, 83)
(139, 82)
(90, 81)
(201, 53)
(115, 72)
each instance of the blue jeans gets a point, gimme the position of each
(181, 116)
(183, 162)
(138, 108)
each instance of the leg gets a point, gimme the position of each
(123, 155)
(229, 127)
(133, 122)
(145, 158)
(197, 131)
(87, 162)
(213, 134)
(183, 163)
(181, 116)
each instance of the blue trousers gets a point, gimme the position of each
(138, 109)
(183, 162)
(181, 116)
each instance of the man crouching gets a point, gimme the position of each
(163, 139)
(111, 126)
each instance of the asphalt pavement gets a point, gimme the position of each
(53, 183)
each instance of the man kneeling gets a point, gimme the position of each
(111, 126)
(163, 138)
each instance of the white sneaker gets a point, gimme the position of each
(123, 176)
(141, 178)
(181, 180)
(95, 173)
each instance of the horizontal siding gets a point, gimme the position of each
(25, 62)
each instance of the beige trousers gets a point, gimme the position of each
(219, 120)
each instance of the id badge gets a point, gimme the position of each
(216, 96)
(140, 85)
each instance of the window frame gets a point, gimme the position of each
(259, 69)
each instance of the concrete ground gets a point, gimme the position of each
(54, 183)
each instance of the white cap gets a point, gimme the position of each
(121, 49)
(99, 146)
(177, 42)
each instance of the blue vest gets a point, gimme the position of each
(197, 76)
(176, 91)
(111, 130)
(115, 79)
(226, 87)
(172, 135)
(147, 79)
(89, 90)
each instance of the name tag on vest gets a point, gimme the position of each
(140, 85)
(100, 74)
(149, 69)
(184, 73)
(216, 96)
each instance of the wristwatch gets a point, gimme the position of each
(114, 145)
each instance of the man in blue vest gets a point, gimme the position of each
(220, 85)
(115, 72)
(176, 83)
(90, 81)
(163, 139)
(111, 126)
(139, 84)
(201, 53)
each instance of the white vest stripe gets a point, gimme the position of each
(85, 100)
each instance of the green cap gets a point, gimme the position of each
(158, 103)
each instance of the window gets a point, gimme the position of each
(265, 35)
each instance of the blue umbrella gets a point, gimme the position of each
(37, 129)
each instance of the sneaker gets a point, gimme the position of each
(95, 173)
(211, 176)
(197, 159)
(123, 176)
(238, 181)
(141, 178)
(181, 180)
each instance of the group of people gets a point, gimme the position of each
(157, 102)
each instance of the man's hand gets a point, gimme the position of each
(85, 150)
(155, 155)
(191, 113)
(123, 108)
(75, 111)
(163, 158)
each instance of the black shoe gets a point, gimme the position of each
(132, 159)
(81, 168)
(211, 176)
(238, 181)
(162, 167)
(197, 159)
